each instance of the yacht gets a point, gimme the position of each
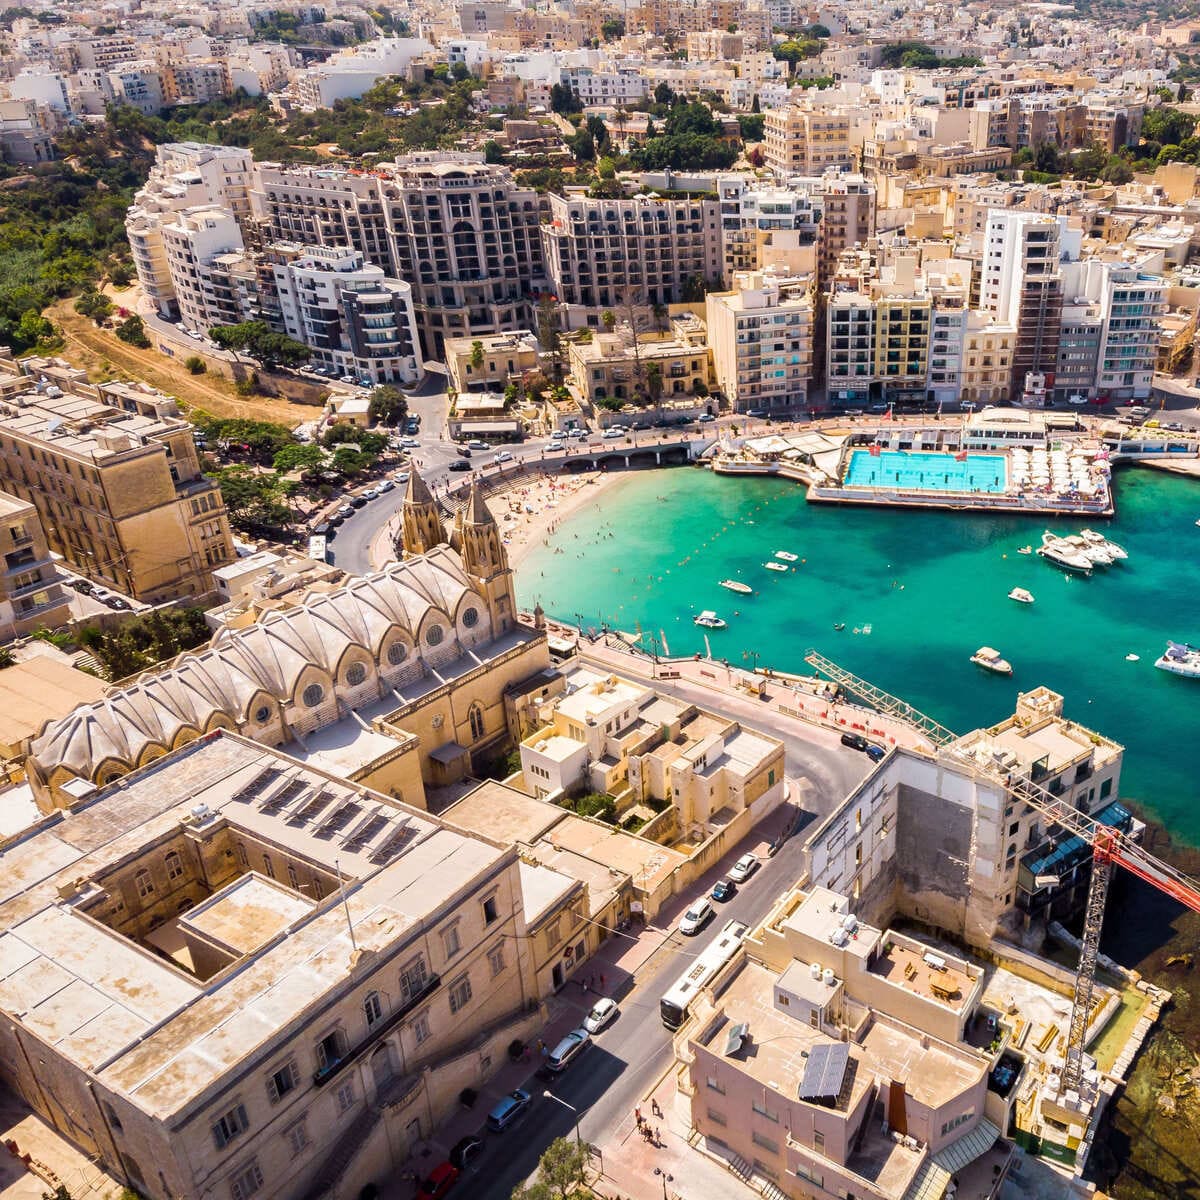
(787, 555)
(743, 589)
(990, 660)
(774, 566)
(1180, 659)
(1095, 554)
(1064, 555)
(1117, 552)
(709, 620)
(1021, 596)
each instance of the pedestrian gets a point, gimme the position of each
(637, 1112)
(657, 1137)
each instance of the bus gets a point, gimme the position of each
(318, 549)
(673, 1007)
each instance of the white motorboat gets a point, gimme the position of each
(787, 556)
(990, 660)
(709, 620)
(1021, 596)
(1180, 659)
(1025, 550)
(1062, 555)
(774, 566)
(1093, 553)
(1116, 551)
(743, 589)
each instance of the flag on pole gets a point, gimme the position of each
(961, 456)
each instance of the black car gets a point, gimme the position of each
(80, 585)
(322, 530)
(856, 741)
(465, 1151)
(117, 602)
(723, 890)
(460, 464)
(357, 501)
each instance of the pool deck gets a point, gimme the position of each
(1027, 503)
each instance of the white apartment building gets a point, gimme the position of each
(192, 242)
(761, 335)
(140, 85)
(764, 226)
(595, 86)
(348, 313)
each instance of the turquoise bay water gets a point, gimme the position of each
(932, 586)
(927, 472)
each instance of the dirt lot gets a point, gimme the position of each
(101, 354)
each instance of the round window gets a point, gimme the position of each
(262, 714)
(313, 695)
(470, 618)
(397, 653)
(355, 674)
(434, 635)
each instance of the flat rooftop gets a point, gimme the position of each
(165, 1037)
(596, 695)
(73, 424)
(39, 689)
(821, 916)
(503, 814)
(542, 889)
(909, 969)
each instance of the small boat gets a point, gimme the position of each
(1025, 550)
(867, 630)
(1115, 551)
(1133, 658)
(743, 589)
(1021, 596)
(774, 566)
(1180, 659)
(709, 620)
(1063, 555)
(839, 627)
(1096, 554)
(990, 660)
(787, 556)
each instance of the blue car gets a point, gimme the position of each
(724, 890)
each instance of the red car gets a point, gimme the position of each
(441, 1180)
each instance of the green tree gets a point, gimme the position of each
(549, 322)
(751, 126)
(351, 462)
(388, 405)
(492, 151)
(1045, 157)
(583, 145)
(476, 359)
(299, 457)
(94, 304)
(608, 319)
(564, 100)
(560, 1171)
(654, 381)
(612, 28)
(133, 331)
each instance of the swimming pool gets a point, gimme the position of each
(926, 471)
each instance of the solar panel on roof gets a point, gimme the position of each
(737, 1035)
(824, 1073)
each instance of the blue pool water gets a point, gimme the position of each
(919, 471)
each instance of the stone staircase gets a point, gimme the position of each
(349, 1144)
(738, 1165)
(771, 1192)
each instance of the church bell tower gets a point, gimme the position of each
(421, 523)
(486, 561)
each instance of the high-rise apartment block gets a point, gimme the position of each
(32, 595)
(643, 250)
(806, 141)
(761, 335)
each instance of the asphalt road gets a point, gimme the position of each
(611, 1077)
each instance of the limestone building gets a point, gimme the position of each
(233, 975)
(396, 679)
(114, 475)
(32, 595)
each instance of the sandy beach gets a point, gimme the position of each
(530, 511)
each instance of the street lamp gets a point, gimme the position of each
(558, 1100)
(666, 1178)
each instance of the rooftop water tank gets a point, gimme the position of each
(827, 976)
(816, 970)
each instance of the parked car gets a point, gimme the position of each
(723, 890)
(81, 585)
(385, 485)
(856, 741)
(358, 501)
(439, 1182)
(410, 443)
(476, 444)
(346, 510)
(757, 413)
(465, 1151)
(503, 456)
(459, 464)
(401, 476)
(602, 1012)
(695, 918)
(118, 602)
(567, 1050)
(611, 435)
(706, 418)
(875, 752)
(508, 1110)
(743, 868)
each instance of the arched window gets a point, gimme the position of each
(312, 695)
(372, 1008)
(144, 883)
(174, 865)
(241, 853)
(470, 618)
(397, 653)
(434, 635)
(476, 718)
(268, 866)
(355, 674)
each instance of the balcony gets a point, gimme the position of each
(377, 1031)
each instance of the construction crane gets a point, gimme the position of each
(1110, 847)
